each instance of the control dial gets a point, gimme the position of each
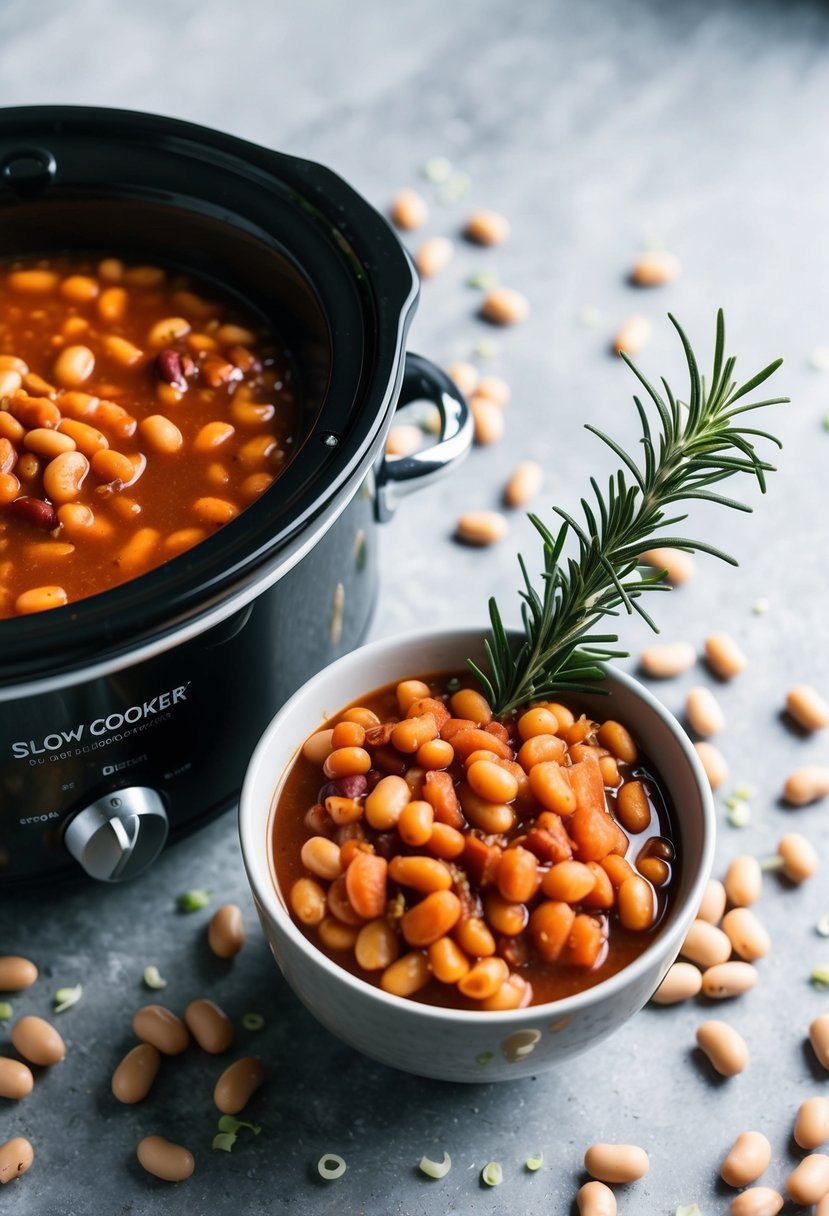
(118, 836)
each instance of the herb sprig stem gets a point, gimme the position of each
(687, 450)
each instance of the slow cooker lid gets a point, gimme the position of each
(288, 235)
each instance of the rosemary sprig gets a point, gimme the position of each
(691, 448)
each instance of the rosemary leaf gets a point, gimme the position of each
(686, 448)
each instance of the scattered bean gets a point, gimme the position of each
(237, 1083)
(800, 858)
(805, 785)
(819, 1038)
(748, 1158)
(811, 1127)
(664, 661)
(157, 1025)
(616, 1162)
(504, 306)
(226, 934)
(706, 944)
(465, 376)
(404, 439)
(809, 1182)
(433, 256)
(210, 1026)
(807, 707)
(724, 1046)
(633, 336)
(494, 388)
(713, 902)
(726, 980)
(16, 1156)
(488, 419)
(16, 973)
(713, 763)
(16, 1080)
(165, 1160)
(524, 484)
(481, 528)
(409, 210)
(757, 1201)
(596, 1199)
(38, 1041)
(682, 981)
(748, 936)
(134, 1076)
(487, 228)
(724, 656)
(703, 712)
(743, 881)
(655, 268)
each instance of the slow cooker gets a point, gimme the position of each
(128, 718)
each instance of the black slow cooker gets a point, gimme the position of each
(128, 718)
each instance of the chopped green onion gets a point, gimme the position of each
(492, 1174)
(65, 998)
(487, 348)
(453, 685)
(688, 1209)
(456, 187)
(6, 1011)
(484, 1057)
(826, 422)
(331, 1167)
(437, 169)
(819, 358)
(152, 977)
(740, 815)
(772, 863)
(744, 792)
(760, 607)
(436, 1169)
(193, 901)
(231, 1125)
(484, 280)
(589, 316)
(821, 928)
(225, 1141)
(535, 1162)
(253, 1021)
(820, 977)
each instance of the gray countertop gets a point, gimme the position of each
(596, 127)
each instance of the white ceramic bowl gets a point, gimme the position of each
(450, 1044)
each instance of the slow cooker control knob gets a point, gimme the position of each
(118, 836)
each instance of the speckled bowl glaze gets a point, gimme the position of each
(457, 1045)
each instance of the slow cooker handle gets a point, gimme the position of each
(399, 476)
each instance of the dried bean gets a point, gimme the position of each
(134, 1076)
(616, 1162)
(237, 1083)
(807, 707)
(165, 1160)
(749, 1157)
(16, 973)
(725, 1047)
(38, 1041)
(682, 982)
(805, 785)
(16, 1156)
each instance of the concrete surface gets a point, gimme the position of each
(597, 128)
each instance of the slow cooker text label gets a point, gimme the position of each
(58, 740)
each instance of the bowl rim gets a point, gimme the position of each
(265, 893)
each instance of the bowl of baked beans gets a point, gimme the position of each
(463, 895)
